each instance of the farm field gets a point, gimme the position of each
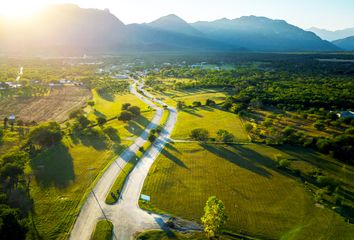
(211, 119)
(245, 178)
(56, 106)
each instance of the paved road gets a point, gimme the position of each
(126, 215)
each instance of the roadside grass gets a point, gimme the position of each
(117, 187)
(261, 200)
(211, 119)
(62, 175)
(103, 231)
(164, 235)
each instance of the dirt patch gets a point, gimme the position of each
(56, 106)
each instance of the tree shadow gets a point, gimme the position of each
(134, 128)
(242, 158)
(141, 120)
(171, 146)
(54, 167)
(106, 96)
(98, 114)
(192, 112)
(97, 142)
(173, 158)
(208, 108)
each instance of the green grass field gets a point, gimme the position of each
(260, 199)
(211, 119)
(63, 174)
(171, 96)
(103, 231)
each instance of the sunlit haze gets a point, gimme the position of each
(327, 14)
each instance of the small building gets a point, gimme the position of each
(12, 119)
(346, 114)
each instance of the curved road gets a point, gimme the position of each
(126, 215)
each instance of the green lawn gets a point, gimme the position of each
(63, 175)
(103, 231)
(260, 199)
(209, 118)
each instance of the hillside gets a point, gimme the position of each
(346, 43)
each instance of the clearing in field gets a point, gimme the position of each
(260, 199)
(56, 106)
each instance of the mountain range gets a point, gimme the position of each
(332, 35)
(69, 29)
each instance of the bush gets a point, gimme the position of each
(200, 134)
(91, 103)
(152, 137)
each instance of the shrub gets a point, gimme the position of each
(319, 125)
(248, 127)
(225, 136)
(101, 120)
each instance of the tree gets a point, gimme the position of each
(225, 136)
(6, 120)
(83, 121)
(180, 105)
(319, 125)
(214, 216)
(134, 110)
(197, 104)
(10, 225)
(46, 135)
(200, 134)
(125, 116)
(91, 103)
(152, 137)
(101, 120)
(210, 102)
(248, 127)
(125, 106)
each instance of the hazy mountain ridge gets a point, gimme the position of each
(68, 28)
(346, 43)
(332, 35)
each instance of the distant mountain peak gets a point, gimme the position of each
(173, 23)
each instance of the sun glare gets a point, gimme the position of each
(19, 9)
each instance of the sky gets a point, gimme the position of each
(327, 14)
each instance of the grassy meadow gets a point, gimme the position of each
(254, 191)
(211, 119)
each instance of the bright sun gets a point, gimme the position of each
(19, 8)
